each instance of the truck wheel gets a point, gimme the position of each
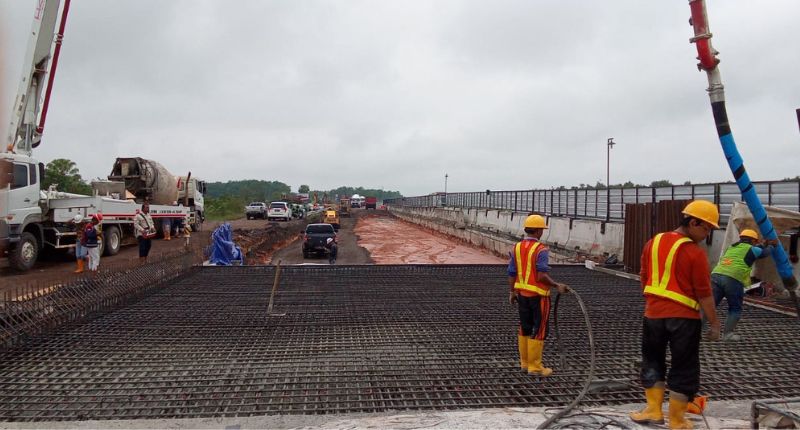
(112, 241)
(198, 221)
(25, 253)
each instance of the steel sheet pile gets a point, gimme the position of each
(357, 339)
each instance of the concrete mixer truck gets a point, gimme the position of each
(148, 180)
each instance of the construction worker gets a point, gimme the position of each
(530, 285)
(92, 238)
(144, 229)
(80, 250)
(676, 282)
(333, 250)
(732, 274)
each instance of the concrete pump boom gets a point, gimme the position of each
(41, 59)
(716, 92)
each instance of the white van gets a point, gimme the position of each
(279, 210)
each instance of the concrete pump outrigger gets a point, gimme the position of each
(716, 92)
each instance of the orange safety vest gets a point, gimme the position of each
(525, 254)
(662, 281)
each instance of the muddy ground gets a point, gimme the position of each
(59, 266)
(366, 237)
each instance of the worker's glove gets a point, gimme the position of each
(714, 334)
(512, 297)
(562, 288)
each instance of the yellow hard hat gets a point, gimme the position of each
(535, 221)
(749, 233)
(704, 210)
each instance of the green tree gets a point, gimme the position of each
(661, 183)
(65, 175)
(303, 189)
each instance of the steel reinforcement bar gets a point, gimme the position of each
(30, 310)
(357, 339)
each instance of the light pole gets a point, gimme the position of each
(444, 203)
(610, 144)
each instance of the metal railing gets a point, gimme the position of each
(607, 204)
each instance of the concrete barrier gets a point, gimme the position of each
(570, 239)
(498, 230)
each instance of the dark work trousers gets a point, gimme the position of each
(683, 337)
(333, 252)
(534, 313)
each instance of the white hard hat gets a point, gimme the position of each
(77, 218)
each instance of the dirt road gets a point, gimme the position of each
(367, 237)
(349, 250)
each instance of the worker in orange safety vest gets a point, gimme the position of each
(676, 280)
(530, 285)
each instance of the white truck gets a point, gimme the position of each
(32, 219)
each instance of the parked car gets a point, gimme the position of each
(279, 210)
(316, 237)
(256, 210)
(331, 217)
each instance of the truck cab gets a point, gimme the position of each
(20, 211)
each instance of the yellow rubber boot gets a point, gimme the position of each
(535, 366)
(677, 411)
(80, 266)
(652, 413)
(522, 342)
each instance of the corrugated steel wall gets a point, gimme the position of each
(643, 221)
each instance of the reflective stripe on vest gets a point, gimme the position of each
(732, 263)
(523, 277)
(658, 284)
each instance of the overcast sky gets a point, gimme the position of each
(500, 95)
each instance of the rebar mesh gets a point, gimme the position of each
(357, 339)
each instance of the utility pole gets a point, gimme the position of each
(444, 203)
(610, 144)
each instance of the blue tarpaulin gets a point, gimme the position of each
(223, 250)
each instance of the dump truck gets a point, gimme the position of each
(371, 202)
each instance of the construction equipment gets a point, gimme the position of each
(344, 207)
(148, 180)
(716, 92)
(331, 217)
(32, 219)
